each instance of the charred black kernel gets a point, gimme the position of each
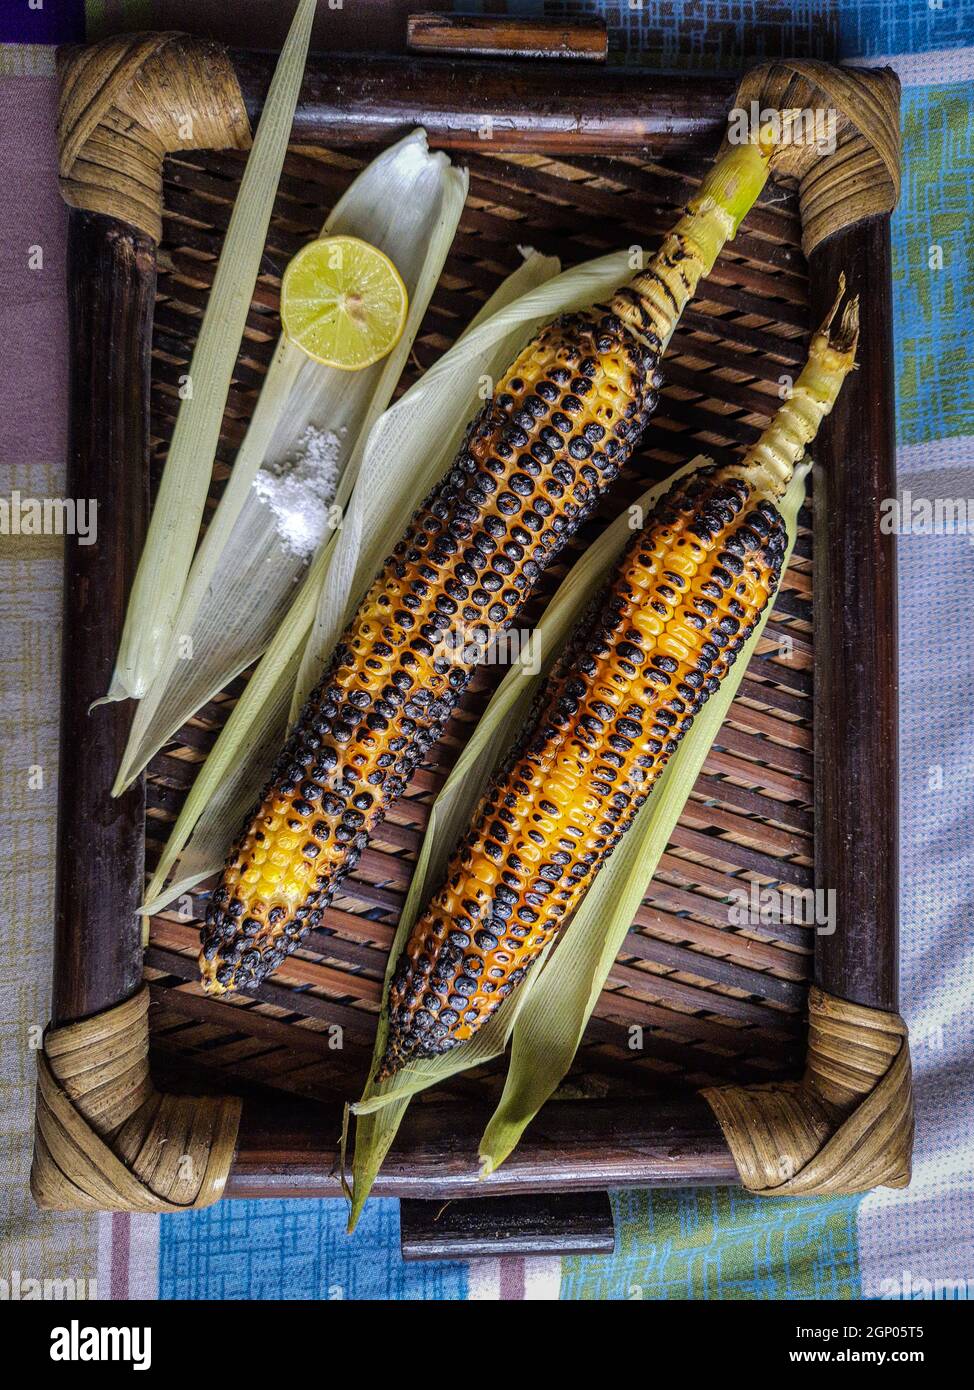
(630, 652)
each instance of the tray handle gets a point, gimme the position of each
(559, 1223)
(501, 36)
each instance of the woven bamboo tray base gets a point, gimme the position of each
(693, 999)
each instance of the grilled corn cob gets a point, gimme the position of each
(685, 598)
(563, 420)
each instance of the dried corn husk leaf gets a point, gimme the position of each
(176, 516)
(243, 579)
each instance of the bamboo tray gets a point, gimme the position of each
(799, 791)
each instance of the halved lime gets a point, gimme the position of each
(343, 302)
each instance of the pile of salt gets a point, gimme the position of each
(301, 490)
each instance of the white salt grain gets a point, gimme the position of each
(300, 491)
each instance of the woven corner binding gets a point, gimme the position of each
(126, 103)
(861, 176)
(106, 1140)
(846, 1127)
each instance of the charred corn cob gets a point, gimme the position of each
(563, 420)
(685, 598)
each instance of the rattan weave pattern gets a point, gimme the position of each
(847, 1126)
(107, 1139)
(125, 102)
(693, 999)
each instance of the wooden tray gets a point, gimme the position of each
(799, 791)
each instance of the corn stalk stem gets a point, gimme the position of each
(769, 464)
(652, 303)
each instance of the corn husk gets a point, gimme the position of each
(242, 582)
(397, 469)
(546, 1016)
(175, 523)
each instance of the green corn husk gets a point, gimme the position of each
(178, 511)
(547, 1014)
(407, 202)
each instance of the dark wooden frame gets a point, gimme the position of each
(287, 1148)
